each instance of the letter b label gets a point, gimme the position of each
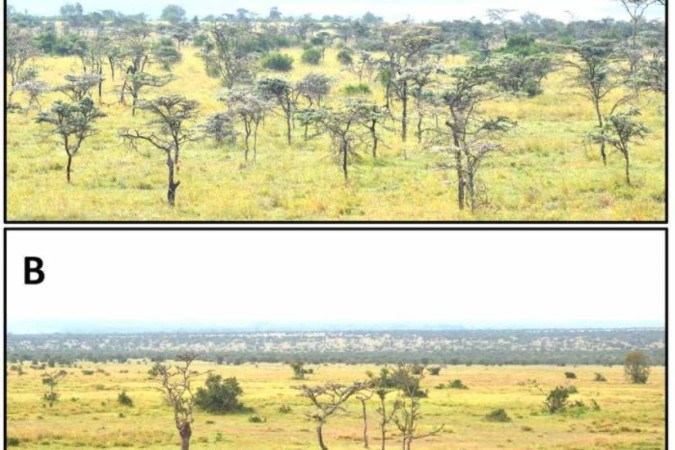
(33, 273)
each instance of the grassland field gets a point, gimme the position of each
(547, 173)
(87, 415)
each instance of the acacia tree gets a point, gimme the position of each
(636, 367)
(136, 82)
(467, 134)
(284, 94)
(73, 123)
(171, 117)
(19, 53)
(420, 78)
(342, 125)
(328, 400)
(250, 109)
(621, 129)
(227, 54)
(369, 116)
(407, 379)
(597, 77)
(406, 47)
(78, 87)
(93, 56)
(636, 10)
(314, 87)
(364, 397)
(34, 90)
(51, 380)
(175, 383)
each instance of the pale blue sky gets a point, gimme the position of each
(390, 9)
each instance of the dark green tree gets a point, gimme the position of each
(73, 123)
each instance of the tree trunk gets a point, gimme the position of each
(255, 143)
(365, 424)
(461, 187)
(246, 147)
(185, 434)
(472, 191)
(319, 434)
(419, 129)
(112, 68)
(626, 157)
(345, 160)
(100, 83)
(173, 186)
(601, 123)
(69, 167)
(404, 114)
(289, 127)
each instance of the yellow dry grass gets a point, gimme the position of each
(548, 173)
(88, 415)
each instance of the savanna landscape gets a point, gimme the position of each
(63, 393)
(268, 117)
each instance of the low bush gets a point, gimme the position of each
(124, 400)
(357, 89)
(278, 62)
(498, 415)
(311, 56)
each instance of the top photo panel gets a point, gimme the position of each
(443, 111)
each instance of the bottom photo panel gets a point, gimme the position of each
(335, 339)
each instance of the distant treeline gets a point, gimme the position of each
(521, 347)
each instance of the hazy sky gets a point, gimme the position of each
(390, 9)
(463, 278)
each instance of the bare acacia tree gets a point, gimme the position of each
(327, 401)
(636, 10)
(34, 90)
(250, 109)
(73, 123)
(175, 383)
(171, 117)
(364, 397)
(20, 51)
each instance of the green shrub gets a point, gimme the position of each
(124, 400)
(12, 442)
(599, 377)
(498, 415)
(457, 384)
(557, 400)
(285, 409)
(345, 58)
(572, 390)
(434, 371)
(278, 62)
(220, 396)
(570, 375)
(257, 419)
(357, 89)
(311, 56)
(88, 372)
